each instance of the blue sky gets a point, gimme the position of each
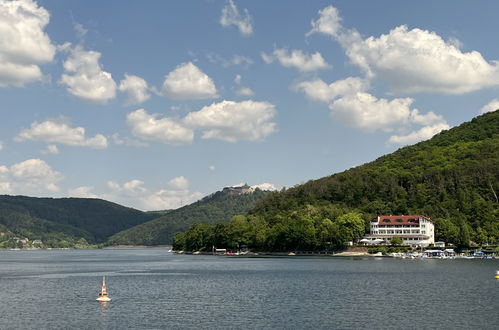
(155, 104)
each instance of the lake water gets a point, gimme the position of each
(154, 289)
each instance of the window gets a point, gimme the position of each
(386, 220)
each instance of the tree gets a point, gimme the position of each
(351, 226)
(179, 241)
(396, 241)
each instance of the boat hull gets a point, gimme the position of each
(103, 299)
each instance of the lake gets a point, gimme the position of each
(155, 289)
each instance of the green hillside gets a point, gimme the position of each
(65, 220)
(220, 206)
(452, 178)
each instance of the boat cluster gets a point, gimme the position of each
(444, 254)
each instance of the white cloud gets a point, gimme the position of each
(231, 16)
(23, 43)
(135, 193)
(233, 121)
(329, 22)
(265, 186)
(169, 199)
(187, 81)
(411, 61)
(297, 59)
(57, 131)
(179, 183)
(135, 88)
(82, 192)
(1, 145)
(422, 134)
(85, 78)
(50, 150)
(211, 167)
(318, 90)
(491, 106)
(368, 113)
(244, 91)
(30, 177)
(165, 130)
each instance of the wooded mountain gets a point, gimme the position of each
(452, 178)
(220, 206)
(59, 222)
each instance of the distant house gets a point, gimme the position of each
(36, 242)
(416, 230)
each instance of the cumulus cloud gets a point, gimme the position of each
(85, 78)
(231, 16)
(297, 59)
(211, 167)
(82, 192)
(135, 88)
(30, 177)
(233, 121)
(411, 61)
(187, 81)
(58, 131)
(152, 128)
(329, 22)
(245, 91)
(136, 194)
(368, 113)
(23, 43)
(179, 183)
(318, 90)
(265, 186)
(491, 106)
(422, 134)
(1, 145)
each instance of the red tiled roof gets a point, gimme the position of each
(399, 219)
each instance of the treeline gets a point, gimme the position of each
(64, 222)
(308, 229)
(452, 178)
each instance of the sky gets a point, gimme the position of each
(155, 104)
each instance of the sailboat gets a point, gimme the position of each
(103, 292)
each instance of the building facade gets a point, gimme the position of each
(417, 230)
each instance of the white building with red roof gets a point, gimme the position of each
(416, 230)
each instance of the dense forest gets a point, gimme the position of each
(220, 206)
(63, 222)
(452, 178)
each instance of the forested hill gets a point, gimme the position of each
(220, 206)
(60, 222)
(452, 178)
